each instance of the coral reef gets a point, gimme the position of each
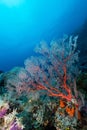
(43, 94)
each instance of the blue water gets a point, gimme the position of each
(24, 23)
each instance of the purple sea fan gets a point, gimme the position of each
(3, 108)
(14, 126)
(3, 112)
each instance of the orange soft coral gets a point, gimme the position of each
(62, 104)
(70, 111)
(79, 115)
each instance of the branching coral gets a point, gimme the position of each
(55, 69)
(9, 121)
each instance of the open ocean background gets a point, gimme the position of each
(24, 23)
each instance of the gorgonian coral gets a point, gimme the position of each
(55, 68)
